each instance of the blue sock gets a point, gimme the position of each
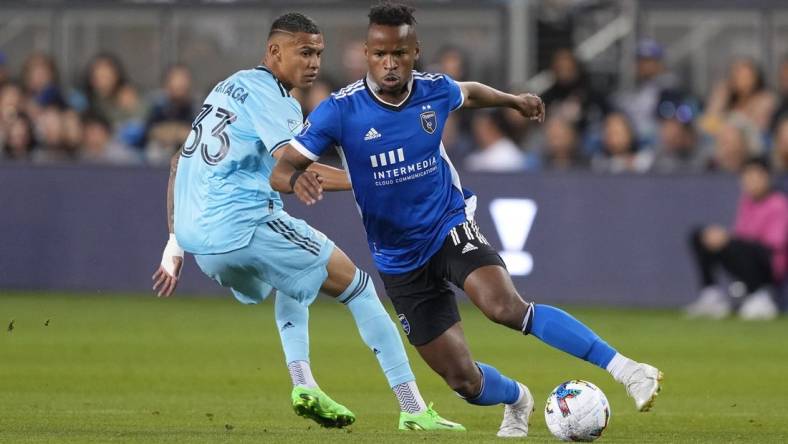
(559, 329)
(292, 321)
(496, 388)
(376, 329)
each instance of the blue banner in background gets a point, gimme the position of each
(566, 238)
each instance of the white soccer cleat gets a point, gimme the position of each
(643, 386)
(759, 306)
(712, 303)
(517, 415)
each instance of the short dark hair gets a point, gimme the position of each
(294, 22)
(392, 14)
(757, 161)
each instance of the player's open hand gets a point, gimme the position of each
(165, 278)
(308, 187)
(531, 107)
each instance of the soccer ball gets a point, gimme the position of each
(577, 411)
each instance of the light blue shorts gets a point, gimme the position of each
(285, 254)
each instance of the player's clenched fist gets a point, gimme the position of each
(307, 185)
(531, 106)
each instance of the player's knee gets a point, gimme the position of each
(509, 312)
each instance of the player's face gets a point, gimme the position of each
(300, 61)
(391, 53)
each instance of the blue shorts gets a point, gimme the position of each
(285, 254)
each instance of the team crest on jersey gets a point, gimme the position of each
(405, 324)
(429, 121)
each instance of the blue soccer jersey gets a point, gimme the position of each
(222, 192)
(407, 190)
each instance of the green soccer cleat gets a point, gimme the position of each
(312, 403)
(427, 420)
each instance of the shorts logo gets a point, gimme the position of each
(429, 121)
(405, 324)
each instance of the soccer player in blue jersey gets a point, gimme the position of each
(421, 232)
(222, 209)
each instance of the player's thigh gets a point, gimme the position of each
(425, 304)
(292, 256)
(232, 270)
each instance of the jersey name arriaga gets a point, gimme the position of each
(221, 187)
(406, 188)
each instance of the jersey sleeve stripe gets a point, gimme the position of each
(278, 145)
(462, 101)
(303, 150)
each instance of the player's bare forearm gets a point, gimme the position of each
(171, 191)
(290, 175)
(332, 179)
(288, 162)
(479, 95)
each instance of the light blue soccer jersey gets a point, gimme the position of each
(409, 193)
(222, 191)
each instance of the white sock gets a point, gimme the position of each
(409, 398)
(521, 395)
(621, 367)
(301, 374)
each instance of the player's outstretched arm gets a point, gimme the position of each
(165, 278)
(479, 95)
(290, 175)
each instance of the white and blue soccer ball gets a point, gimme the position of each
(577, 411)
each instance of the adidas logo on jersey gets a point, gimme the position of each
(372, 134)
(469, 247)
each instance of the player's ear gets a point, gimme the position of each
(417, 51)
(366, 50)
(274, 50)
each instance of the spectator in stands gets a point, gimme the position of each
(754, 253)
(780, 154)
(19, 141)
(41, 82)
(169, 121)
(735, 142)
(129, 123)
(354, 64)
(782, 85)
(11, 104)
(50, 132)
(743, 93)
(4, 75)
(562, 146)
(104, 79)
(678, 149)
(458, 144)
(571, 97)
(620, 153)
(98, 146)
(655, 84)
(451, 60)
(496, 151)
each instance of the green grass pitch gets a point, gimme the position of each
(125, 368)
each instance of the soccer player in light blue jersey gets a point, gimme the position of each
(419, 228)
(222, 209)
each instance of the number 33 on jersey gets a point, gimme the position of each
(221, 188)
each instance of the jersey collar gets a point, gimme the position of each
(371, 86)
(282, 90)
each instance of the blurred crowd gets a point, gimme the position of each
(657, 127)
